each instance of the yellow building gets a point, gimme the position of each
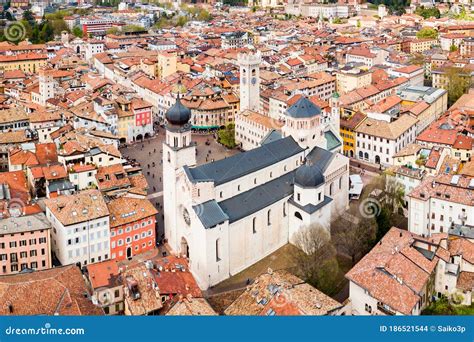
(421, 45)
(27, 62)
(167, 64)
(350, 120)
(348, 80)
(126, 121)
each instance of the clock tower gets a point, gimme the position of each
(178, 151)
(250, 80)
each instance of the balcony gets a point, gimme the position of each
(385, 309)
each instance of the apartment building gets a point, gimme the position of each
(377, 141)
(80, 227)
(348, 79)
(25, 244)
(440, 202)
(132, 227)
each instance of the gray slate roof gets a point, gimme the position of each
(258, 198)
(303, 109)
(239, 165)
(22, 224)
(332, 141)
(272, 136)
(319, 157)
(311, 208)
(210, 214)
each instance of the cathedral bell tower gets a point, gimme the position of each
(250, 80)
(178, 151)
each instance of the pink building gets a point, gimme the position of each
(25, 243)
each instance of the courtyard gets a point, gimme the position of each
(148, 154)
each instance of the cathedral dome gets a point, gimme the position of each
(178, 114)
(303, 109)
(309, 176)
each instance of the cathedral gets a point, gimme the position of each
(226, 215)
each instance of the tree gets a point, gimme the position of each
(204, 15)
(354, 236)
(428, 12)
(427, 32)
(59, 25)
(113, 30)
(459, 81)
(29, 17)
(46, 33)
(394, 193)
(227, 136)
(181, 21)
(453, 48)
(315, 258)
(77, 31)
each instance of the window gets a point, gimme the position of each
(254, 225)
(284, 209)
(117, 293)
(298, 196)
(269, 214)
(218, 258)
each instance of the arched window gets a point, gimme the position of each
(284, 209)
(218, 257)
(340, 183)
(269, 215)
(254, 225)
(366, 156)
(175, 141)
(361, 155)
(254, 72)
(169, 157)
(298, 216)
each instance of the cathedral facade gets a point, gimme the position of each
(226, 215)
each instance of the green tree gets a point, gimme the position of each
(181, 21)
(77, 31)
(428, 12)
(227, 136)
(427, 32)
(459, 81)
(47, 32)
(59, 25)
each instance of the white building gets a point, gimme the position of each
(378, 141)
(93, 47)
(439, 202)
(80, 225)
(227, 215)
